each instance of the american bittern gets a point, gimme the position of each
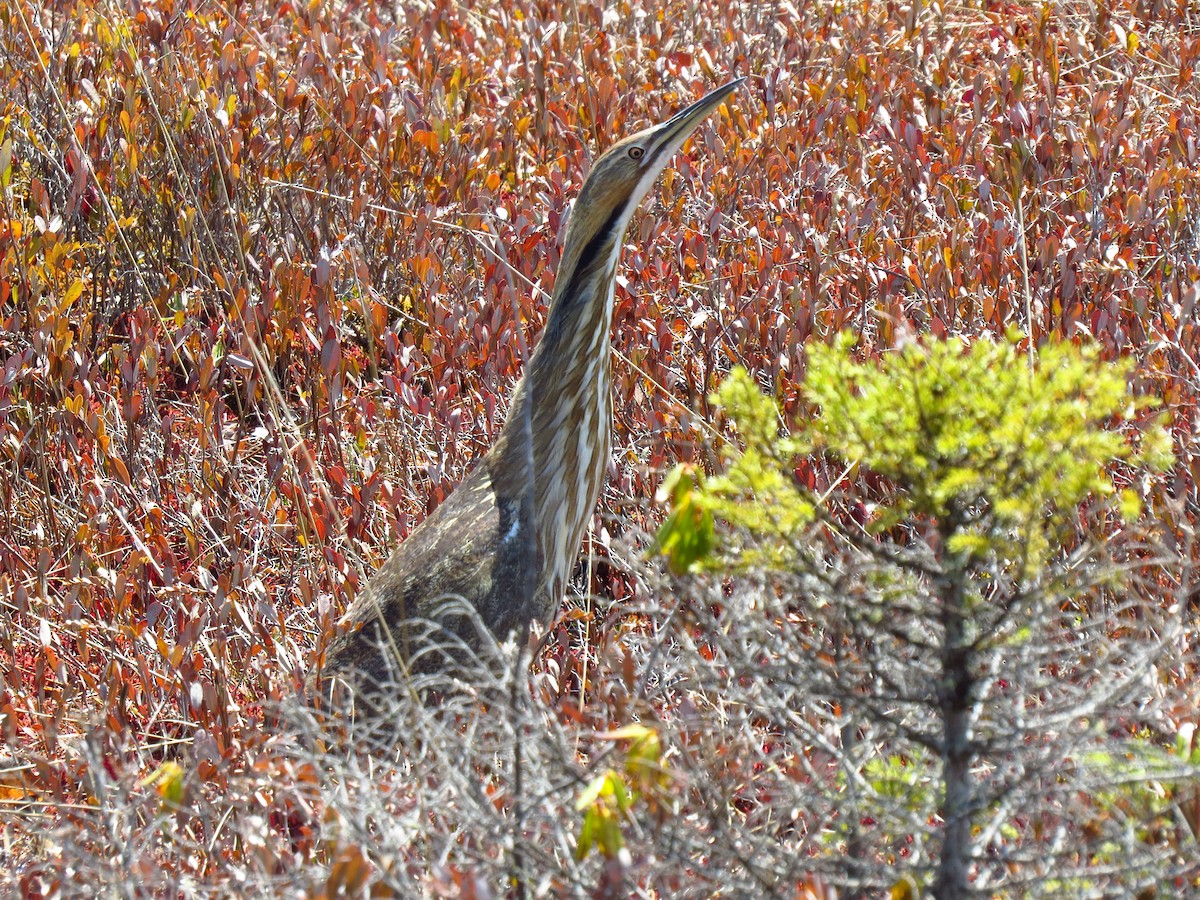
(506, 539)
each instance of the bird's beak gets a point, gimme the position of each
(670, 135)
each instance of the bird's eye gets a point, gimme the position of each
(636, 152)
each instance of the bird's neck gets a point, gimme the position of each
(571, 380)
(561, 417)
(564, 407)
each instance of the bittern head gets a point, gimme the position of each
(617, 184)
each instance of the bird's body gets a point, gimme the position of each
(505, 540)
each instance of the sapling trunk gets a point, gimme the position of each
(954, 698)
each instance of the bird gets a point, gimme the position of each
(499, 550)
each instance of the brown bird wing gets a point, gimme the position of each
(477, 548)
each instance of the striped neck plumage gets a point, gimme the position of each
(568, 385)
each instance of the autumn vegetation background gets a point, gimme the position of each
(268, 271)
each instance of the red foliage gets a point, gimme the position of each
(268, 272)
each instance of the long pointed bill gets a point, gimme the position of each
(670, 135)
